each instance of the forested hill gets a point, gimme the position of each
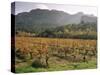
(43, 19)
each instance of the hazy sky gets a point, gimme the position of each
(71, 9)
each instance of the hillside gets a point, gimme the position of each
(40, 19)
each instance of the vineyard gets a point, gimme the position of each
(42, 54)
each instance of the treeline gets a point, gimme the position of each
(76, 31)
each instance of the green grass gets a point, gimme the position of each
(57, 67)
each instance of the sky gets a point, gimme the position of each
(71, 9)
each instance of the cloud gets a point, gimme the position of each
(41, 6)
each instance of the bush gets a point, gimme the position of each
(37, 64)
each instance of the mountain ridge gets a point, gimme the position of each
(43, 19)
(55, 17)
